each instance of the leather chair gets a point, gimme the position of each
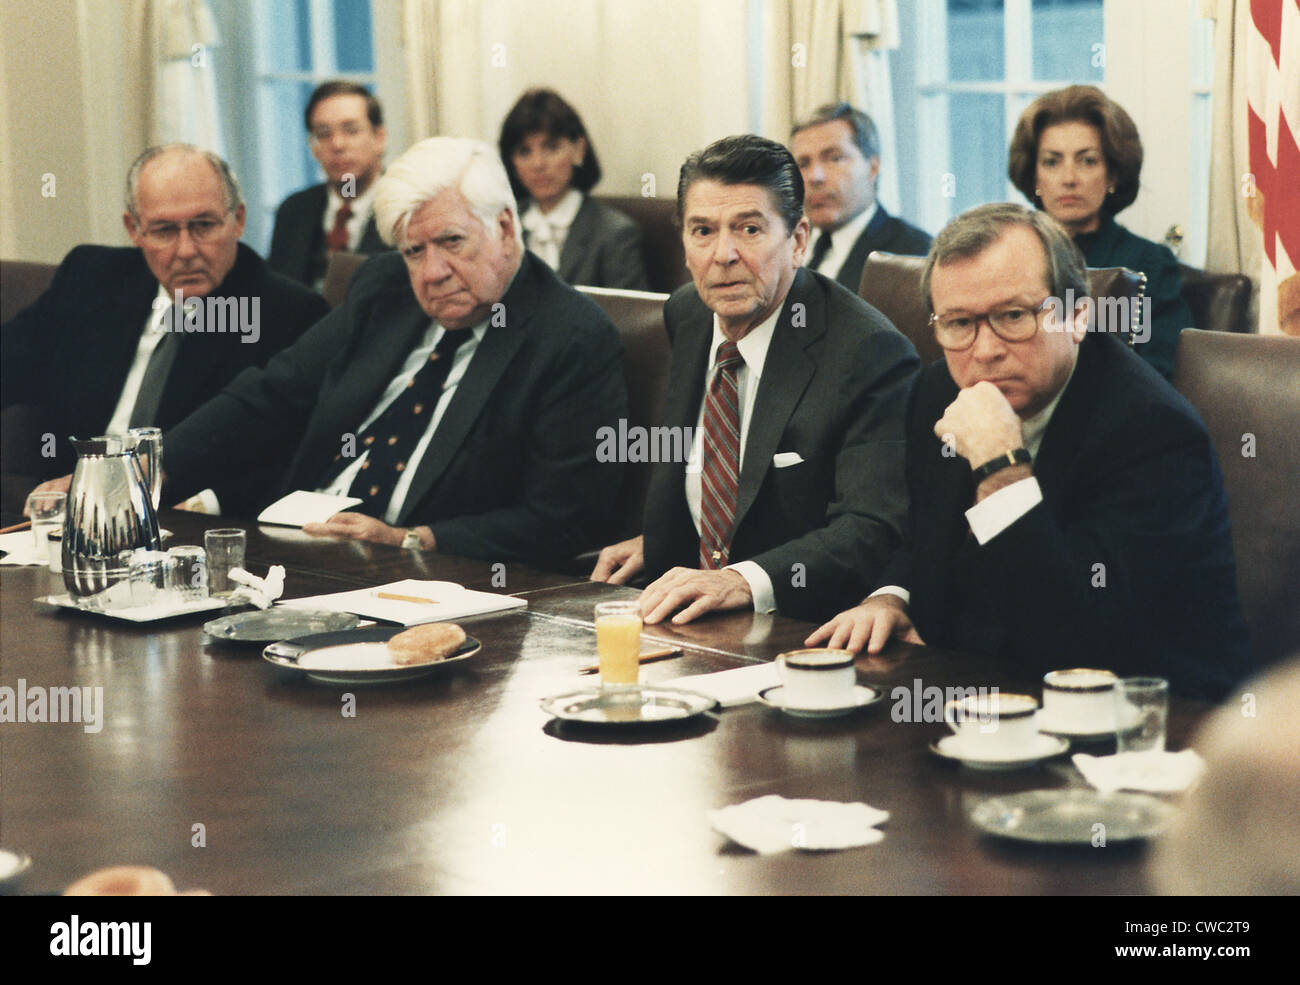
(1219, 302)
(338, 274)
(892, 284)
(21, 283)
(1245, 388)
(664, 255)
(639, 318)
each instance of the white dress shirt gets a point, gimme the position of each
(361, 206)
(414, 361)
(547, 231)
(753, 350)
(842, 242)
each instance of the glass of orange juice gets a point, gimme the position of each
(618, 642)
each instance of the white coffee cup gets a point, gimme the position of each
(1079, 700)
(993, 726)
(817, 678)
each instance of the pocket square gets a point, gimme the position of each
(784, 459)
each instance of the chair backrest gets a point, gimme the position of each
(21, 283)
(1219, 302)
(338, 274)
(639, 318)
(892, 284)
(664, 256)
(1247, 390)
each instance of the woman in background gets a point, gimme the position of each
(1077, 156)
(552, 165)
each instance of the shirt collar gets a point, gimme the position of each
(360, 204)
(753, 347)
(851, 230)
(560, 217)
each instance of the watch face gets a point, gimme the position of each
(411, 540)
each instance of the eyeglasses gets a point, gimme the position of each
(1015, 323)
(201, 230)
(350, 130)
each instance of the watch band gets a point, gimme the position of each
(1017, 456)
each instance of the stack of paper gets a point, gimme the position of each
(417, 602)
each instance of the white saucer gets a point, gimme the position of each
(1048, 725)
(863, 695)
(1042, 747)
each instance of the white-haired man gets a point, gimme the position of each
(457, 391)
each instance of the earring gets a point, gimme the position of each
(1038, 193)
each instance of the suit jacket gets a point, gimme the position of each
(833, 391)
(298, 239)
(1127, 562)
(884, 232)
(1114, 246)
(70, 352)
(511, 472)
(603, 248)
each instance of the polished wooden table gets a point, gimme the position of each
(459, 782)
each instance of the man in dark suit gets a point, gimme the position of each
(1067, 508)
(345, 130)
(838, 150)
(791, 390)
(457, 391)
(106, 348)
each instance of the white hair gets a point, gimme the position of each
(431, 167)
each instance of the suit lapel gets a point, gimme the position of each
(786, 373)
(1053, 464)
(108, 350)
(577, 243)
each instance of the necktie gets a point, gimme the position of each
(820, 249)
(392, 437)
(720, 472)
(338, 237)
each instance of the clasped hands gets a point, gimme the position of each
(692, 590)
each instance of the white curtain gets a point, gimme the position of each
(171, 71)
(419, 47)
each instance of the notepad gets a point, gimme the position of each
(731, 687)
(447, 600)
(302, 507)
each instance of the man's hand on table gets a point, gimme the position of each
(700, 591)
(871, 624)
(618, 563)
(62, 484)
(358, 526)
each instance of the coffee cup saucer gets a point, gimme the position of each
(863, 695)
(1049, 724)
(1041, 747)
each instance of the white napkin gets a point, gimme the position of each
(21, 548)
(732, 687)
(774, 824)
(260, 592)
(1152, 772)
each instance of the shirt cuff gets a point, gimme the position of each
(897, 590)
(760, 585)
(994, 514)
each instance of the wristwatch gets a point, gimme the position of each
(411, 540)
(1017, 456)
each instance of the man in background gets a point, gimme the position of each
(345, 131)
(838, 152)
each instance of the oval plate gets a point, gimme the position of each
(1069, 817)
(643, 706)
(356, 656)
(272, 625)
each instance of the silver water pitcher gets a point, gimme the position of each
(110, 513)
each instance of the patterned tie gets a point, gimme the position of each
(820, 249)
(720, 474)
(338, 237)
(394, 434)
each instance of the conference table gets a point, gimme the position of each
(236, 776)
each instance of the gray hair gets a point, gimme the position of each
(864, 130)
(975, 230)
(432, 166)
(231, 192)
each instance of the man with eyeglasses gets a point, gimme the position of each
(143, 335)
(345, 131)
(1067, 508)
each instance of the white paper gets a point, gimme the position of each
(450, 601)
(732, 687)
(302, 507)
(21, 549)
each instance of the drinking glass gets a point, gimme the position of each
(47, 510)
(618, 642)
(188, 574)
(225, 547)
(1141, 711)
(147, 443)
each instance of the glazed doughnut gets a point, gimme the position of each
(427, 643)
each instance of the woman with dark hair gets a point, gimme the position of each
(552, 165)
(1077, 156)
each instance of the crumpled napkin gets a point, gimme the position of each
(1151, 772)
(260, 592)
(774, 824)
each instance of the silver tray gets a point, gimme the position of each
(636, 706)
(271, 625)
(1071, 816)
(136, 614)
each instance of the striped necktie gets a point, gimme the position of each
(720, 472)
